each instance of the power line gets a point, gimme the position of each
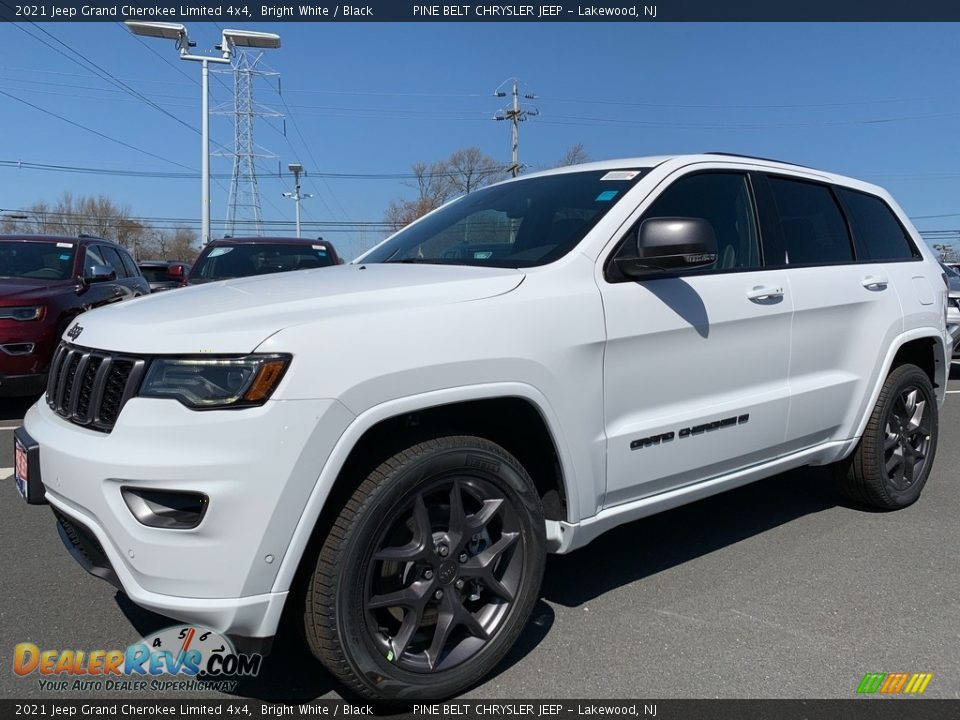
(313, 160)
(156, 174)
(103, 74)
(91, 130)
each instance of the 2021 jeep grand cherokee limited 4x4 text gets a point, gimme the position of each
(511, 375)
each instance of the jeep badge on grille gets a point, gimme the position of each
(74, 332)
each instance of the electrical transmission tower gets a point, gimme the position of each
(516, 114)
(243, 205)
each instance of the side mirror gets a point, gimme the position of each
(99, 273)
(671, 243)
(176, 272)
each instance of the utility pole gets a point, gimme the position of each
(296, 169)
(516, 114)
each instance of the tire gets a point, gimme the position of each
(429, 573)
(892, 462)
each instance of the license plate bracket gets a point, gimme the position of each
(26, 470)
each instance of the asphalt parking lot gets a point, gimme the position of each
(775, 590)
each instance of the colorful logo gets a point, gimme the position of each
(184, 651)
(894, 683)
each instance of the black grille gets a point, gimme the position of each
(90, 387)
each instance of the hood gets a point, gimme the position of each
(16, 291)
(235, 316)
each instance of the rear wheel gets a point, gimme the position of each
(895, 455)
(430, 572)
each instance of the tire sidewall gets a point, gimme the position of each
(900, 379)
(473, 459)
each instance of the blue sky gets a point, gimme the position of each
(875, 101)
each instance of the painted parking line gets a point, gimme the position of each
(6, 473)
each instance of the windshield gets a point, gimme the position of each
(36, 260)
(243, 260)
(517, 224)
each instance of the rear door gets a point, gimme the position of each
(696, 363)
(846, 312)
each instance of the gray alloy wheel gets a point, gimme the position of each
(894, 458)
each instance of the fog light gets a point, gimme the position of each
(164, 508)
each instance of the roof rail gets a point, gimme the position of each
(87, 236)
(757, 157)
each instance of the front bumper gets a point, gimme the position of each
(257, 466)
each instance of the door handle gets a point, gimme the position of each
(762, 292)
(875, 282)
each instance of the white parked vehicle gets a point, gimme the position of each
(396, 448)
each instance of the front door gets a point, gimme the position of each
(696, 364)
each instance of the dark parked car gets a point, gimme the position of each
(164, 274)
(243, 257)
(45, 282)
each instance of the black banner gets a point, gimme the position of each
(865, 709)
(238, 11)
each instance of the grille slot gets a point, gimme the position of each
(90, 387)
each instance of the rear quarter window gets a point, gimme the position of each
(877, 234)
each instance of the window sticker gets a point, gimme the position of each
(621, 175)
(217, 252)
(65, 256)
(319, 247)
(64, 245)
(486, 255)
(607, 195)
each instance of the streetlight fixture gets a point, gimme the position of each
(296, 169)
(229, 40)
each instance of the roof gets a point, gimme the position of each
(72, 239)
(249, 240)
(681, 160)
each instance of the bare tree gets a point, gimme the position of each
(947, 253)
(464, 171)
(575, 155)
(469, 169)
(100, 216)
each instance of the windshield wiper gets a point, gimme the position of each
(412, 260)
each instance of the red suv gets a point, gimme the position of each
(243, 257)
(45, 282)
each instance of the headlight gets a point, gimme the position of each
(209, 383)
(34, 312)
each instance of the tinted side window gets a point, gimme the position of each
(93, 257)
(723, 200)
(113, 260)
(814, 231)
(877, 233)
(128, 264)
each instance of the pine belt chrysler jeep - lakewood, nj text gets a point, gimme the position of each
(392, 448)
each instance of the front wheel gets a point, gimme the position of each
(893, 460)
(430, 572)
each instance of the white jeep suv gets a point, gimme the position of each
(389, 448)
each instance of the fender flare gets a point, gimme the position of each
(899, 342)
(399, 406)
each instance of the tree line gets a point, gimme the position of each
(73, 216)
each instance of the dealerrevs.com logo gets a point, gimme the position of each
(184, 657)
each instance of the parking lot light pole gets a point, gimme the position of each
(296, 169)
(229, 40)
